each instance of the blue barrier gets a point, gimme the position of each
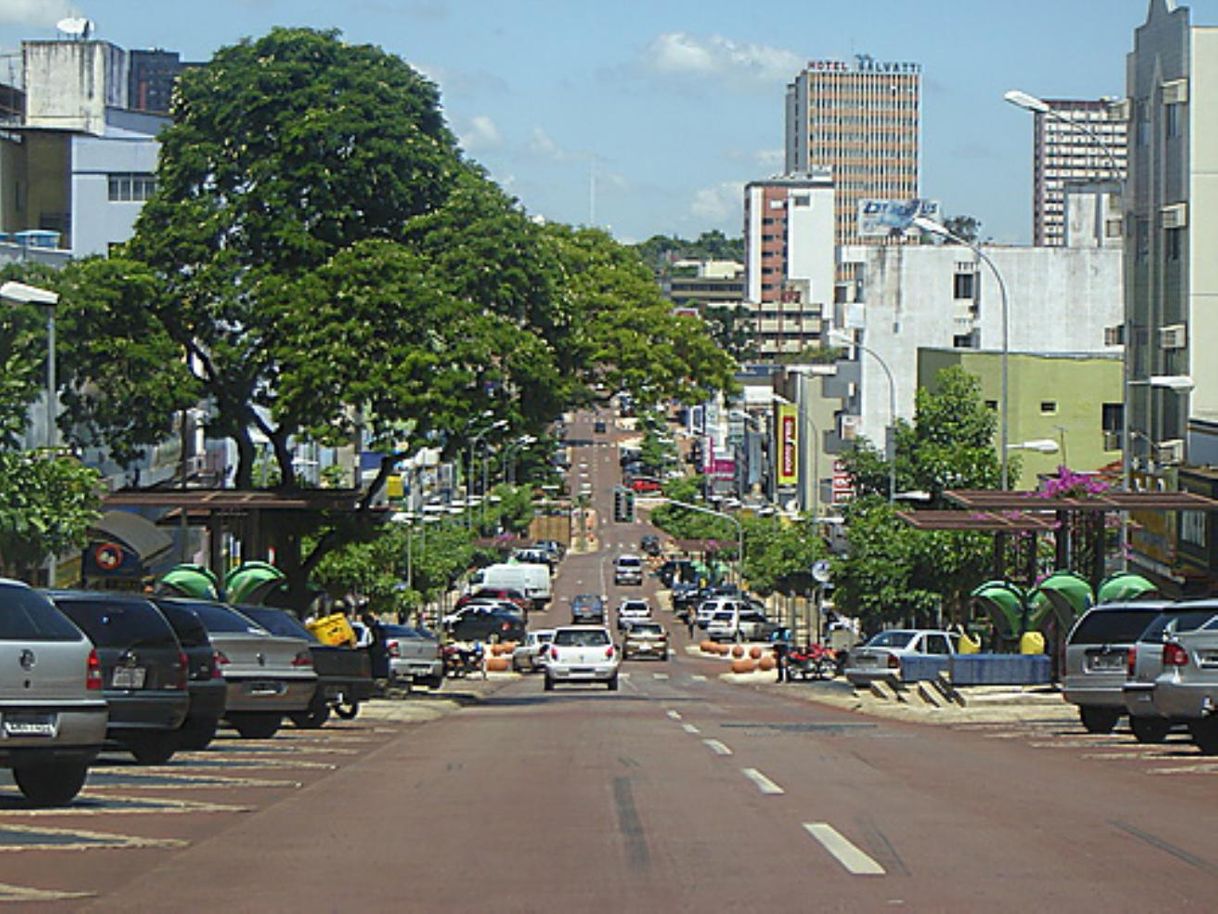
(919, 668)
(999, 669)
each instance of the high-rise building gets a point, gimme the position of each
(151, 78)
(1077, 141)
(789, 259)
(862, 120)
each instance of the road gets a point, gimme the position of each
(679, 792)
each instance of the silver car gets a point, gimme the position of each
(1146, 664)
(414, 655)
(1187, 689)
(1097, 657)
(266, 676)
(52, 713)
(531, 655)
(881, 656)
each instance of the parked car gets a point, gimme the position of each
(531, 655)
(414, 656)
(880, 657)
(743, 624)
(344, 674)
(645, 485)
(645, 639)
(476, 607)
(582, 653)
(53, 712)
(204, 681)
(650, 544)
(1097, 656)
(1145, 665)
(598, 426)
(707, 609)
(587, 609)
(632, 610)
(143, 669)
(267, 677)
(510, 594)
(1187, 689)
(478, 624)
(628, 569)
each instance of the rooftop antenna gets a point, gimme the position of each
(76, 28)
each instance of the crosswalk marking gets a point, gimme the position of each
(849, 856)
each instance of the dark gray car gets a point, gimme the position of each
(143, 667)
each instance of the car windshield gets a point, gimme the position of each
(1177, 621)
(119, 623)
(185, 624)
(278, 622)
(577, 637)
(627, 561)
(26, 615)
(1113, 626)
(897, 639)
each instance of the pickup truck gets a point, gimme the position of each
(344, 674)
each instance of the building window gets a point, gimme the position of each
(1048, 407)
(132, 187)
(962, 286)
(1173, 240)
(964, 341)
(1112, 417)
(992, 404)
(1171, 121)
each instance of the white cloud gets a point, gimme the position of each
(543, 144)
(37, 13)
(769, 160)
(480, 134)
(681, 54)
(719, 203)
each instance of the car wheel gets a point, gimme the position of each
(312, 717)
(1098, 720)
(153, 748)
(612, 683)
(347, 711)
(1205, 734)
(51, 784)
(256, 725)
(549, 684)
(1150, 729)
(197, 735)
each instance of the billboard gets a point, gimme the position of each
(885, 218)
(788, 445)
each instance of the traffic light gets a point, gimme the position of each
(619, 504)
(628, 506)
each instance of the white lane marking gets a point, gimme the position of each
(675, 715)
(849, 856)
(690, 728)
(659, 675)
(717, 747)
(697, 677)
(764, 784)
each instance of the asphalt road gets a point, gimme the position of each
(679, 792)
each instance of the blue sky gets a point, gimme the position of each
(668, 107)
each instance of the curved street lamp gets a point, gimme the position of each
(842, 339)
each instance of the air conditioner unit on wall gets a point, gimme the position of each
(1170, 451)
(1174, 215)
(1175, 92)
(1112, 440)
(1114, 336)
(1173, 336)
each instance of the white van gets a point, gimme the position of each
(531, 580)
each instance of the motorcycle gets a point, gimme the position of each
(813, 661)
(461, 660)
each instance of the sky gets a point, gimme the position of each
(648, 117)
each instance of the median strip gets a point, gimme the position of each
(849, 856)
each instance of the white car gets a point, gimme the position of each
(881, 657)
(632, 611)
(582, 653)
(532, 655)
(628, 569)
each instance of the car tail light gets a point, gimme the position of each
(183, 671)
(392, 649)
(1174, 655)
(894, 662)
(553, 653)
(216, 660)
(302, 658)
(1131, 659)
(93, 672)
(609, 652)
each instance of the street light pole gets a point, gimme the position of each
(469, 478)
(20, 293)
(892, 409)
(934, 228)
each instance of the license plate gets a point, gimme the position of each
(1108, 662)
(129, 677)
(265, 688)
(30, 724)
(581, 670)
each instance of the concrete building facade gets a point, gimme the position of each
(862, 119)
(1079, 142)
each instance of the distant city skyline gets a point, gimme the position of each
(649, 118)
